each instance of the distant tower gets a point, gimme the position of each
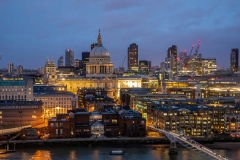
(172, 53)
(69, 58)
(93, 45)
(132, 55)
(234, 60)
(85, 59)
(60, 61)
(50, 71)
(10, 67)
(19, 70)
(182, 55)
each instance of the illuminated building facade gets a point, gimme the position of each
(93, 98)
(60, 62)
(50, 72)
(232, 124)
(144, 66)
(20, 113)
(234, 60)
(111, 84)
(209, 65)
(10, 68)
(19, 89)
(99, 64)
(19, 70)
(133, 56)
(172, 54)
(54, 103)
(195, 120)
(69, 58)
(110, 122)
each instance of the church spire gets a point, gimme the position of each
(99, 39)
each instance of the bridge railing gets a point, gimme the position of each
(187, 140)
(12, 130)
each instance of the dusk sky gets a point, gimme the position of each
(31, 31)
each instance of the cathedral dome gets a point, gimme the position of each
(99, 51)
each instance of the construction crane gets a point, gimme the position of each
(196, 51)
(191, 50)
(123, 61)
(1, 57)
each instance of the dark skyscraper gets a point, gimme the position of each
(93, 45)
(69, 58)
(60, 61)
(234, 60)
(85, 58)
(132, 55)
(172, 53)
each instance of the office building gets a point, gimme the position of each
(10, 67)
(20, 113)
(16, 88)
(132, 56)
(77, 63)
(172, 53)
(85, 59)
(144, 66)
(60, 61)
(19, 70)
(209, 66)
(234, 60)
(112, 121)
(69, 58)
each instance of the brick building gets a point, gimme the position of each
(110, 121)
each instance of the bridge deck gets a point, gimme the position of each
(190, 144)
(13, 130)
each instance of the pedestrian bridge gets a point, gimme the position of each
(189, 143)
(13, 130)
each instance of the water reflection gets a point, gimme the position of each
(72, 155)
(41, 155)
(135, 152)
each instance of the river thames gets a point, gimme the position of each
(133, 152)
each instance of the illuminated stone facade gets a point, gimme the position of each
(99, 64)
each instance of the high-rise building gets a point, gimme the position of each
(180, 61)
(85, 59)
(60, 61)
(93, 45)
(234, 60)
(85, 56)
(172, 53)
(132, 56)
(182, 55)
(69, 58)
(19, 70)
(10, 67)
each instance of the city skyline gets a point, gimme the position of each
(32, 30)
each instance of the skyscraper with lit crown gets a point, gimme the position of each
(69, 58)
(132, 56)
